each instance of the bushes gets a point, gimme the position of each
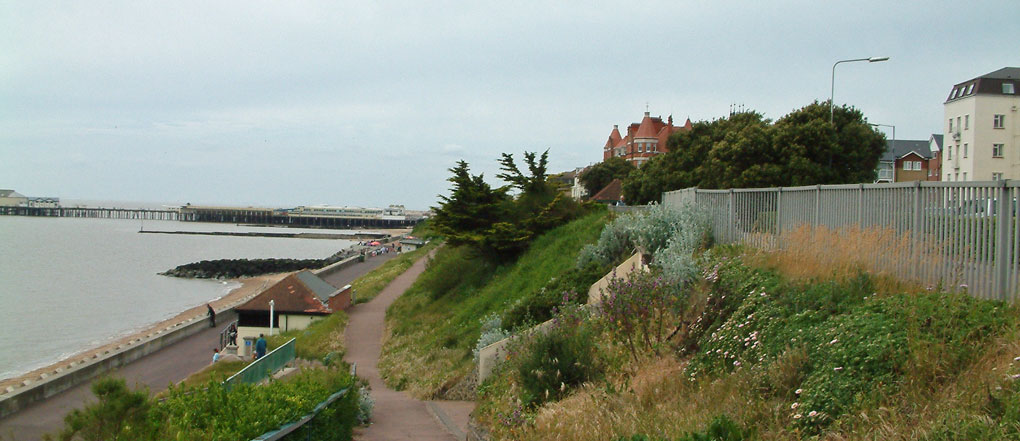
(211, 412)
(548, 364)
(538, 307)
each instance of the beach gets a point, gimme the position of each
(249, 287)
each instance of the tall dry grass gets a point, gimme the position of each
(893, 259)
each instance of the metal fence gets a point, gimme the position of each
(957, 235)
(264, 366)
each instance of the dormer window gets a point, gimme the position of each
(970, 89)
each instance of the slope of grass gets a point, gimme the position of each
(434, 326)
(833, 358)
(369, 285)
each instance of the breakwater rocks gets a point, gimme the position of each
(235, 268)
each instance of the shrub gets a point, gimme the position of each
(635, 312)
(552, 362)
(492, 331)
(366, 404)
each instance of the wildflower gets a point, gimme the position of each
(798, 391)
(1015, 377)
(794, 406)
(834, 341)
(812, 414)
(1016, 359)
(796, 417)
(837, 369)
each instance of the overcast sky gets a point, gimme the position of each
(358, 103)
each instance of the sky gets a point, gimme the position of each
(279, 104)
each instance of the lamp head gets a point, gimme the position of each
(877, 59)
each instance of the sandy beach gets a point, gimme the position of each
(249, 286)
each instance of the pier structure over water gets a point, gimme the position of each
(93, 212)
(299, 217)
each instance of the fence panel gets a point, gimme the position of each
(263, 367)
(957, 235)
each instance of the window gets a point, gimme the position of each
(996, 176)
(949, 154)
(958, 176)
(1007, 88)
(965, 149)
(970, 89)
(966, 122)
(964, 176)
(917, 165)
(908, 165)
(997, 150)
(641, 147)
(958, 126)
(999, 122)
(950, 125)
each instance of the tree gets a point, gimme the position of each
(499, 227)
(472, 208)
(600, 175)
(747, 151)
(120, 414)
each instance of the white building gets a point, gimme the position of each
(981, 142)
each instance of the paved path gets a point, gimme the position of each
(397, 416)
(157, 370)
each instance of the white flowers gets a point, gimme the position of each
(798, 391)
(796, 417)
(837, 369)
(812, 414)
(794, 406)
(834, 341)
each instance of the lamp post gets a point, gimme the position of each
(272, 303)
(893, 144)
(832, 92)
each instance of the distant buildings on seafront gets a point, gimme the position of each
(983, 137)
(11, 198)
(643, 140)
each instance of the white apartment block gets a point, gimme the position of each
(982, 141)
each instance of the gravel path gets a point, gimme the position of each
(397, 416)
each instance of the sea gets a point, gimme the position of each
(72, 284)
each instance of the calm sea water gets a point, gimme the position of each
(67, 285)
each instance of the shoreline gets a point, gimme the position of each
(249, 286)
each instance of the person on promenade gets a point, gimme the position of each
(215, 355)
(212, 316)
(260, 347)
(232, 334)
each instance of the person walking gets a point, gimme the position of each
(212, 316)
(260, 347)
(215, 355)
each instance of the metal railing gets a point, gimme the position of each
(286, 429)
(264, 366)
(225, 334)
(958, 235)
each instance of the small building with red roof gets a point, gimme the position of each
(643, 140)
(298, 300)
(612, 193)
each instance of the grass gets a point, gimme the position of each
(218, 372)
(434, 326)
(321, 339)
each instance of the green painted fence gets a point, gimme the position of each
(262, 368)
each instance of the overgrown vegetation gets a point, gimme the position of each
(435, 326)
(211, 412)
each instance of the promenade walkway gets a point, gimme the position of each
(157, 371)
(397, 416)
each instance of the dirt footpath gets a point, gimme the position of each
(397, 416)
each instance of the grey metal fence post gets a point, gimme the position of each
(1003, 242)
(818, 203)
(915, 234)
(732, 215)
(779, 211)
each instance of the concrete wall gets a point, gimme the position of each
(622, 271)
(81, 371)
(337, 266)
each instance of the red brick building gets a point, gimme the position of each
(643, 140)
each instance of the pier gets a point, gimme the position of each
(93, 212)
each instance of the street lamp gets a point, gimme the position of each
(832, 93)
(893, 145)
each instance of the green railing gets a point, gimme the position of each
(262, 368)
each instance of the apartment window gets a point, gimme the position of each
(997, 150)
(1007, 88)
(966, 122)
(957, 176)
(964, 176)
(908, 165)
(949, 154)
(950, 125)
(958, 126)
(917, 165)
(996, 176)
(970, 89)
(965, 149)
(999, 122)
